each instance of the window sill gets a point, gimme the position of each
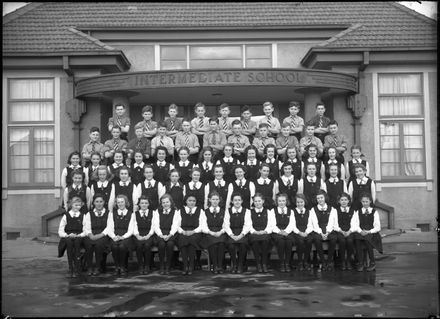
(55, 191)
(398, 184)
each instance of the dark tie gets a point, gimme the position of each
(172, 127)
(115, 144)
(149, 185)
(201, 122)
(288, 183)
(206, 166)
(245, 125)
(147, 125)
(269, 121)
(225, 125)
(240, 184)
(161, 141)
(93, 147)
(124, 184)
(138, 144)
(320, 122)
(187, 139)
(118, 121)
(214, 140)
(286, 141)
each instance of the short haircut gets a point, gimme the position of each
(117, 128)
(320, 103)
(162, 124)
(218, 166)
(263, 125)
(301, 196)
(125, 198)
(236, 122)
(310, 124)
(213, 119)
(183, 148)
(199, 104)
(139, 126)
(143, 197)
(94, 129)
(173, 107)
(229, 145)
(346, 196)
(69, 158)
(147, 108)
(333, 122)
(294, 103)
(75, 199)
(245, 108)
(267, 104)
(119, 104)
(223, 106)
(148, 166)
(285, 125)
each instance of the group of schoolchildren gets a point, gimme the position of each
(222, 185)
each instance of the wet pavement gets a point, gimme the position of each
(405, 284)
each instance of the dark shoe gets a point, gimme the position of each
(124, 272)
(162, 271)
(220, 271)
(348, 266)
(73, 274)
(308, 267)
(189, 272)
(264, 268)
(360, 268)
(372, 267)
(288, 268)
(146, 270)
(330, 266)
(97, 272)
(117, 271)
(240, 270)
(301, 267)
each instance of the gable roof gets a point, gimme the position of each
(60, 26)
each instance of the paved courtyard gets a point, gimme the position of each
(405, 284)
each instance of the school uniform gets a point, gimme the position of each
(249, 127)
(319, 166)
(341, 168)
(308, 140)
(261, 142)
(288, 186)
(237, 222)
(207, 171)
(228, 164)
(225, 125)
(137, 173)
(200, 123)
(245, 188)
(262, 219)
(72, 223)
(296, 168)
(197, 190)
(239, 141)
(217, 140)
(295, 121)
(325, 223)
(346, 244)
(309, 186)
(184, 169)
(120, 121)
(219, 186)
(283, 221)
(214, 222)
(89, 148)
(266, 187)
(81, 191)
(320, 122)
(252, 169)
(143, 226)
(149, 125)
(173, 124)
(117, 144)
(272, 122)
(336, 140)
(287, 142)
(357, 188)
(335, 188)
(176, 192)
(104, 188)
(190, 219)
(351, 171)
(275, 166)
(304, 224)
(166, 224)
(161, 171)
(164, 141)
(88, 172)
(367, 219)
(153, 190)
(114, 170)
(121, 224)
(124, 188)
(142, 145)
(66, 178)
(96, 223)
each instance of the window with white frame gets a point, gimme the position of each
(31, 143)
(401, 120)
(175, 57)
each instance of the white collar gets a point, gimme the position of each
(243, 181)
(211, 209)
(228, 159)
(122, 212)
(301, 211)
(347, 209)
(259, 210)
(102, 184)
(221, 182)
(333, 179)
(235, 211)
(312, 160)
(252, 162)
(74, 214)
(144, 212)
(177, 184)
(311, 179)
(282, 210)
(285, 178)
(74, 186)
(74, 167)
(366, 210)
(292, 160)
(141, 165)
(161, 163)
(263, 181)
(362, 181)
(121, 183)
(167, 211)
(210, 164)
(115, 165)
(270, 160)
(153, 182)
(186, 163)
(356, 161)
(322, 208)
(190, 211)
(334, 161)
(197, 184)
(96, 211)
(93, 167)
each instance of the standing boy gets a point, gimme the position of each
(296, 123)
(188, 139)
(215, 138)
(272, 122)
(174, 124)
(120, 120)
(200, 124)
(150, 126)
(336, 140)
(162, 140)
(308, 139)
(239, 141)
(249, 126)
(139, 143)
(285, 140)
(225, 123)
(92, 146)
(263, 140)
(320, 122)
(114, 144)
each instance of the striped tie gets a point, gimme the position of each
(172, 127)
(214, 140)
(320, 122)
(187, 139)
(93, 147)
(201, 122)
(263, 143)
(269, 121)
(138, 144)
(286, 141)
(225, 125)
(245, 125)
(115, 145)
(118, 120)
(161, 141)
(147, 126)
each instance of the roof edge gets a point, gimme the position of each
(91, 39)
(412, 12)
(20, 11)
(340, 35)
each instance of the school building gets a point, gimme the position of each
(65, 65)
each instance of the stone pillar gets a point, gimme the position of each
(357, 104)
(311, 97)
(75, 108)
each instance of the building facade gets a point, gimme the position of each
(65, 65)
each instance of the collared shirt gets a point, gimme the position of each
(63, 224)
(332, 161)
(258, 142)
(141, 165)
(239, 141)
(311, 179)
(167, 143)
(142, 144)
(176, 121)
(345, 209)
(316, 121)
(214, 210)
(184, 164)
(122, 212)
(366, 210)
(237, 211)
(222, 182)
(99, 213)
(322, 208)
(333, 180)
(116, 165)
(262, 181)
(355, 223)
(122, 121)
(286, 141)
(193, 141)
(193, 184)
(294, 121)
(286, 179)
(247, 221)
(76, 187)
(124, 183)
(91, 147)
(274, 123)
(249, 127)
(215, 136)
(195, 124)
(252, 162)
(282, 211)
(102, 184)
(228, 159)
(335, 141)
(228, 121)
(147, 125)
(362, 181)
(110, 145)
(204, 164)
(190, 211)
(307, 140)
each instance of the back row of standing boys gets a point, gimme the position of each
(240, 161)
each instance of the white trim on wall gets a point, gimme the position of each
(274, 55)
(157, 57)
(427, 136)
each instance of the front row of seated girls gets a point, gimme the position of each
(191, 228)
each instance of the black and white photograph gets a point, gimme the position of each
(220, 159)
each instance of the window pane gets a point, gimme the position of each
(19, 142)
(400, 83)
(390, 169)
(215, 64)
(44, 176)
(414, 169)
(173, 53)
(173, 65)
(43, 141)
(215, 52)
(389, 142)
(19, 176)
(258, 51)
(44, 162)
(413, 155)
(258, 63)
(390, 156)
(389, 128)
(31, 111)
(31, 89)
(400, 106)
(20, 162)
(415, 128)
(413, 141)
